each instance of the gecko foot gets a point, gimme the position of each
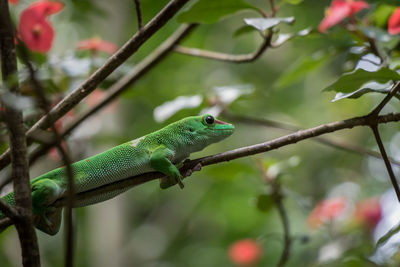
(197, 167)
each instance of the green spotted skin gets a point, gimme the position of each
(157, 151)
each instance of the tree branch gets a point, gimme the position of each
(58, 140)
(386, 160)
(227, 57)
(374, 126)
(119, 87)
(102, 73)
(18, 152)
(8, 210)
(230, 155)
(239, 153)
(140, 70)
(292, 128)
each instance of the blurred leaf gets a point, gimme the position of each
(84, 10)
(284, 37)
(350, 82)
(380, 35)
(301, 68)
(169, 108)
(388, 2)
(75, 67)
(210, 11)
(371, 87)
(263, 24)
(382, 14)
(226, 95)
(264, 202)
(243, 30)
(377, 33)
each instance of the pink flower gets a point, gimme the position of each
(96, 44)
(339, 10)
(394, 22)
(368, 212)
(245, 252)
(327, 210)
(34, 29)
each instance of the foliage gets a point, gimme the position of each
(337, 204)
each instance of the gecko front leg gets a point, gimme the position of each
(160, 160)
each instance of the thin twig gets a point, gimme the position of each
(273, 8)
(386, 160)
(138, 14)
(129, 48)
(245, 58)
(277, 198)
(18, 150)
(287, 241)
(393, 92)
(292, 128)
(374, 49)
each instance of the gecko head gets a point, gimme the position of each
(206, 129)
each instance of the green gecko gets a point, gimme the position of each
(159, 151)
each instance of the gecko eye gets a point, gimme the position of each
(191, 129)
(210, 119)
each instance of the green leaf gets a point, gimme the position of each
(382, 14)
(210, 11)
(263, 24)
(264, 202)
(243, 30)
(293, 2)
(371, 87)
(301, 68)
(350, 82)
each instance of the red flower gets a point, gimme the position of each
(96, 44)
(339, 10)
(14, 2)
(394, 22)
(34, 29)
(46, 8)
(368, 212)
(327, 210)
(245, 252)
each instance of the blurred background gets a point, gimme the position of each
(325, 190)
